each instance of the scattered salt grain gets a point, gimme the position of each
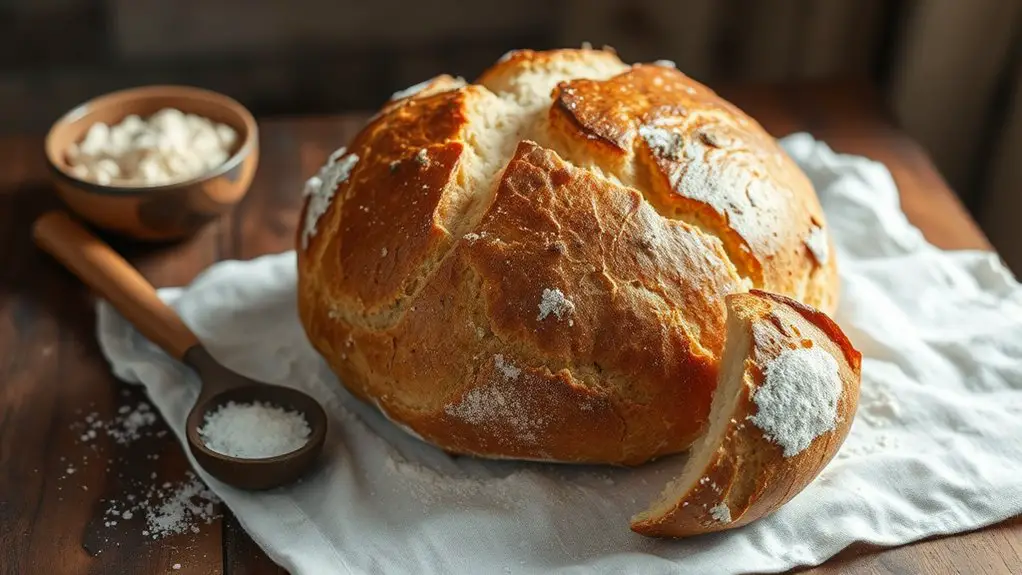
(721, 512)
(129, 425)
(190, 503)
(422, 157)
(798, 399)
(70, 471)
(473, 237)
(254, 430)
(176, 566)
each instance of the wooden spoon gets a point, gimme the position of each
(102, 269)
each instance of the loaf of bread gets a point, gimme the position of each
(535, 265)
(787, 394)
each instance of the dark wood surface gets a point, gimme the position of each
(52, 372)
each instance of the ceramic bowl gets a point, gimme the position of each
(164, 212)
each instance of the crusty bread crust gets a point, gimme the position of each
(738, 474)
(535, 265)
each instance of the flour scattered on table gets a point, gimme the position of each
(878, 409)
(254, 430)
(877, 406)
(433, 488)
(862, 444)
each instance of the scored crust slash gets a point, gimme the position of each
(574, 259)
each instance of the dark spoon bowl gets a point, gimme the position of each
(222, 386)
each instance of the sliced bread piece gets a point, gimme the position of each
(786, 395)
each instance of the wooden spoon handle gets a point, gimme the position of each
(106, 272)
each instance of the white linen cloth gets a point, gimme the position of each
(940, 332)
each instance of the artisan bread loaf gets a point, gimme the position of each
(535, 265)
(788, 390)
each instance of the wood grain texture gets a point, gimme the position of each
(50, 364)
(51, 375)
(111, 277)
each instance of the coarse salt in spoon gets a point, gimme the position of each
(228, 425)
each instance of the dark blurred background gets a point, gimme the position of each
(949, 69)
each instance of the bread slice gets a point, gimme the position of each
(786, 395)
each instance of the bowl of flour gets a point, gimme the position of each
(155, 162)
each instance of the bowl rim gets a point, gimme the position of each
(148, 91)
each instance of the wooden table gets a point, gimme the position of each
(52, 372)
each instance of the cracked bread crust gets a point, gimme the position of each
(475, 207)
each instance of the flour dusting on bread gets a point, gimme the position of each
(501, 408)
(554, 302)
(320, 189)
(788, 377)
(663, 143)
(817, 243)
(798, 399)
(703, 179)
(507, 369)
(721, 512)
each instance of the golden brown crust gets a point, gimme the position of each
(623, 268)
(436, 253)
(516, 62)
(699, 158)
(389, 224)
(746, 471)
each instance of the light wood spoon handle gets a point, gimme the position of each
(113, 278)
